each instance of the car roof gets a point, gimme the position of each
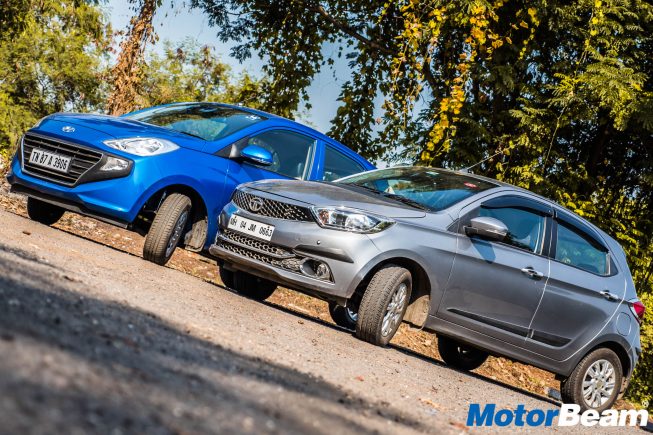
(607, 239)
(275, 120)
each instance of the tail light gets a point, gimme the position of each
(638, 309)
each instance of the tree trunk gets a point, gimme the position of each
(125, 73)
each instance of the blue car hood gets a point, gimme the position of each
(92, 128)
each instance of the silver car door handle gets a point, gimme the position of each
(609, 296)
(532, 272)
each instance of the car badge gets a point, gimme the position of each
(68, 129)
(255, 205)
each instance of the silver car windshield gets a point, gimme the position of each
(425, 188)
(204, 120)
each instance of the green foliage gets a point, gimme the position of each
(189, 72)
(641, 388)
(53, 63)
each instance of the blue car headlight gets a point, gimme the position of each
(142, 146)
(349, 219)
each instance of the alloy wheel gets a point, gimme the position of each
(599, 383)
(395, 309)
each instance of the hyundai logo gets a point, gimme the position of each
(68, 129)
(255, 204)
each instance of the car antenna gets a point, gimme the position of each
(467, 169)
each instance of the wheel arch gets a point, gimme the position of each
(198, 227)
(420, 298)
(617, 348)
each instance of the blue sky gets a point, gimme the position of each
(178, 23)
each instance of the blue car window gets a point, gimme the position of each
(291, 152)
(338, 165)
(204, 120)
(575, 249)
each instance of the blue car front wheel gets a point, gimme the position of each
(43, 212)
(168, 228)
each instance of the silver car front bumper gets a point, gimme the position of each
(293, 243)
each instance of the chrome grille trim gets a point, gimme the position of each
(82, 159)
(272, 208)
(260, 246)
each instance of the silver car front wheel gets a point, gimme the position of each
(384, 304)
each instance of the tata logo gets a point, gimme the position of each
(255, 204)
(68, 129)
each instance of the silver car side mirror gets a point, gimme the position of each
(487, 227)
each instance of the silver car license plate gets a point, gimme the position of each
(49, 160)
(251, 227)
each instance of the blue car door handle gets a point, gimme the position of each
(532, 273)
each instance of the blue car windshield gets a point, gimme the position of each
(204, 120)
(426, 188)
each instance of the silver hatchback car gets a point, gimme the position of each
(491, 268)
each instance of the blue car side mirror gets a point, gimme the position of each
(257, 155)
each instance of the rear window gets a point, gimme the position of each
(576, 249)
(206, 121)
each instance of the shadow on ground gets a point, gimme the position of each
(71, 363)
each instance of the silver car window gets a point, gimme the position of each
(525, 228)
(575, 249)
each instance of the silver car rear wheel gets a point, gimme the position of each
(596, 381)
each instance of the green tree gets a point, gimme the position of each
(52, 62)
(189, 72)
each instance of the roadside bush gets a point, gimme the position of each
(641, 387)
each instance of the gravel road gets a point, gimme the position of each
(94, 340)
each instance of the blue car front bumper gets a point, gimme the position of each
(115, 199)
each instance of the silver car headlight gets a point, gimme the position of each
(142, 146)
(349, 219)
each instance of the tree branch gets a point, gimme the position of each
(345, 28)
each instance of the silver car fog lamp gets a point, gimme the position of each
(316, 269)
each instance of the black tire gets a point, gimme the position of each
(385, 285)
(248, 285)
(227, 277)
(167, 229)
(459, 355)
(43, 212)
(343, 316)
(571, 388)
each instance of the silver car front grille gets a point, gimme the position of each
(271, 208)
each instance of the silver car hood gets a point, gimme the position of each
(333, 194)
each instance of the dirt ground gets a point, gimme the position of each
(94, 340)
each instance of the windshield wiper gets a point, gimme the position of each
(405, 200)
(189, 134)
(394, 196)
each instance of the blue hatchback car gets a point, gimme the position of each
(166, 171)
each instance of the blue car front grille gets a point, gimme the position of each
(83, 159)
